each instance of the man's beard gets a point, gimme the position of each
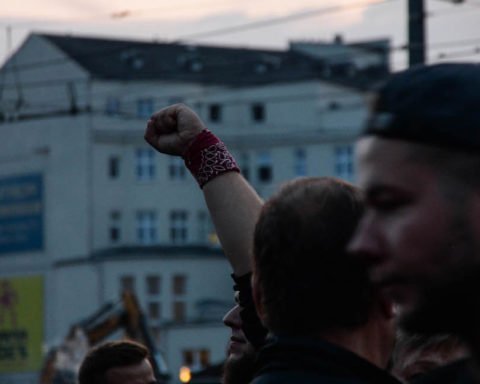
(452, 307)
(450, 303)
(240, 370)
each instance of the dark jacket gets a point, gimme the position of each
(295, 360)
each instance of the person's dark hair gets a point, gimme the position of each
(308, 282)
(110, 355)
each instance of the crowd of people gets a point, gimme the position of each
(337, 283)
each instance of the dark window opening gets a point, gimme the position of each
(179, 284)
(258, 112)
(113, 167)
(154, 311)
(215, 113)
(179, 311)
(153, 285)
(127, 283)
(264, 173)
(114, 234)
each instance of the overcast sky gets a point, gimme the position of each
(457, 27)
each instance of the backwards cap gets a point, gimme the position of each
(433, 105)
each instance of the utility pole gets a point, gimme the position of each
(417, 41)
(416, 32)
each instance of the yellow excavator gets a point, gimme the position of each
(62, 363)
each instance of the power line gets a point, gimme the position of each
(281, 20)
(455, 55)
(243, 27)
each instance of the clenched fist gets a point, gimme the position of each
(172, 129)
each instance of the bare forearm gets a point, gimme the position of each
(234, 207)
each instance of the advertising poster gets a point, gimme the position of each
(21, 213)
(21, 324)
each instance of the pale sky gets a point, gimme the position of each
(453, 30)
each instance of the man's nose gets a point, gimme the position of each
(232, 317)
(366, 243)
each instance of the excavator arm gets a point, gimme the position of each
(124, 315)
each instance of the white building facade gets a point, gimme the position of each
(89, 207)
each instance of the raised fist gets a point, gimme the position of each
(172, 129)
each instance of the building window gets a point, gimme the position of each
(112, 106)
(113, 167)
(153, 285)
(300, 162)
(344, 162)
(333, 105)
(145, 107)
(178, 227)
(146, 227)
(127, 283)
(114, 234)
(244, 165)
(258, 112)
(115, 218)
(188, 358)
(196, 359)
(176, 168)
(179, 284)
(195, 65)
(154, 311)
(179, 313)
(264, 167)
(204, 358)
(145, 164)
(215, 113)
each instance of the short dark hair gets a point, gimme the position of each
(307, 279)
(110, 355)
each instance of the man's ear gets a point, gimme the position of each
(258, 298)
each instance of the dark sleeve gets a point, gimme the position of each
(252, 327)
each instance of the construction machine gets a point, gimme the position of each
(62, 362)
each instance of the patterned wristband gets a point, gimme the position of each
(207, 157)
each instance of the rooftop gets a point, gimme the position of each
(111, 59)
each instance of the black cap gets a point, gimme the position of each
(434, 105)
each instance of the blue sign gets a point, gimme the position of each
(21, 213)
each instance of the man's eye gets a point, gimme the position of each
(389, 204)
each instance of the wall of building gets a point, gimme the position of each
(92, 246)
(40, 79)
(194, 339)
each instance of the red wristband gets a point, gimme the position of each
(207, 157)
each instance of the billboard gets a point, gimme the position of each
(21, 213)
(21, 324)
